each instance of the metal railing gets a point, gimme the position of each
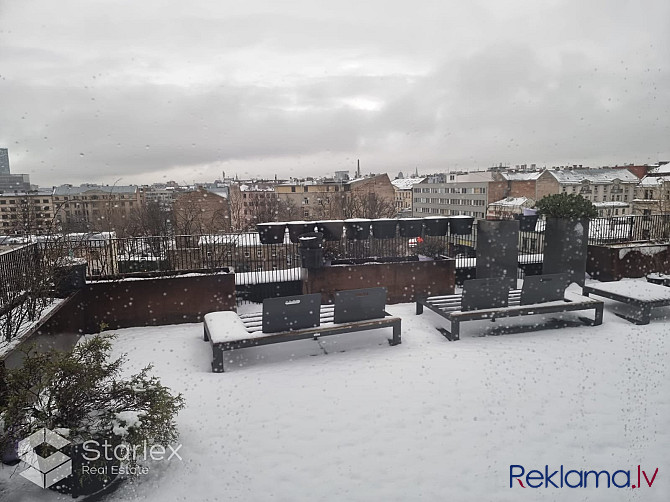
(630, 228)
(17, 266)
(108, 257)
(117, 257)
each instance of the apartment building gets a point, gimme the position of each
(200, 212)
(404, 194)
(453, 194)
(164, 196)
(28, 212)
(370, 197)
(253, 202)
(530, 184)
(96, 207)
(611, 190)
(652, 195)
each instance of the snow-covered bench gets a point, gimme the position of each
(492, 299)
(296, 318)
(642, 295)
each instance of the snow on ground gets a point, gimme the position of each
(351, 418)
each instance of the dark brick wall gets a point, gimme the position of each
(156, 302)
(125, 304)
(606, 263)
(403, 280)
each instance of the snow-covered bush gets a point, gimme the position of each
(82, 395)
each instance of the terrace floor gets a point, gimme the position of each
(351, 418)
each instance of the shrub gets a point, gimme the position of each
(81, 394)
(433, 247)
(565, 205)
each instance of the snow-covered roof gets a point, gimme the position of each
(522, 176)
(604, 176)
(113, 189)
(646, 200)
(610, 204)
(652, 181)
(406, 183)
(473, 177)
(40, 192)
(91, 236)
(514, 202)
(661, 169)
(221, 192)
(253, 188)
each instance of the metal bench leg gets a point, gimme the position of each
(645, 314)
(419, 308)
(217, 359)
(396, 334)
(599, 315)
(455, 330)
(452, 335)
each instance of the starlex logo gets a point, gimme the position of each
(573, 478)
(42, 471)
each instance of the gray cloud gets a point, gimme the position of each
(144, 93)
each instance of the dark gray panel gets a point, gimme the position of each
(498, 250)
(565, 248)
(360, 304)
(291, 312)
(543, 288)
(479, 294)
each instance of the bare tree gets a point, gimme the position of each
(368, 205)
(149, 219)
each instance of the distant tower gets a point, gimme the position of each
(4, 161)
(358, 168)
(416, 172)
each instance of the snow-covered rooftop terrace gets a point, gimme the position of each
(352, 418)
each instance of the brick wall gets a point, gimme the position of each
(546, 185)
(404, 281)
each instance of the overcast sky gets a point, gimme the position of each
(148, 91)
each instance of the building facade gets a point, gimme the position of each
(652, 195)
(252, 203)
(201, 212)
(453, 194)
(28, 213)
(602, 185)
(96, 207)
(337, 198)
(404, 194)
